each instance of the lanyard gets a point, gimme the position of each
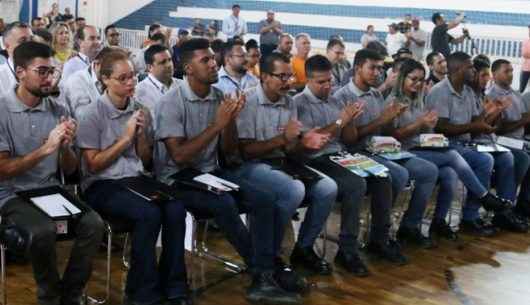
(86, 62)
(156, 86)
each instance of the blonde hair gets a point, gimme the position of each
(55, 32)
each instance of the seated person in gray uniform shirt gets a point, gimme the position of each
(35, 138)
(456, 106)
(513, 122)
(417, 119)
(115, 138)
(376, 120)
(196, 127)
(318, 109)
(270, 136)
(234, 75)
(85, 87)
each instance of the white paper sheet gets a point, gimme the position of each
(216, 182)
(491, 148)
(55, 205)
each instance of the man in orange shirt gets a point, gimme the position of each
(525, 68)
(303, 47)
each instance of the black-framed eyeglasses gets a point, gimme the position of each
(283, 76)
(124, 78)
(47, 72)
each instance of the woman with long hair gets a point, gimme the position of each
(62, 42)
(408, 127)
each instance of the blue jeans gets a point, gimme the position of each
(482, 166)
(425, 175)
(351, 192)
(504, 177)
(146, 283)
(521, 161)
(290, 193)
(448, 181)
(254, 244)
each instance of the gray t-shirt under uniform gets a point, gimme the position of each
(22, 131)
(262, 120)
(409, 116)
(101, 125)
(514, 112)
(316, 113)
(182, 114)
(458, 108)
(374, 104)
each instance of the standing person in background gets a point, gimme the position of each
(15, 34)
(198, 28)
(67, 13)
(395, 40)
(269, 30)
(525, 68)
(303, 47)
(234, 25)
(112, 36)
(183, 36)
(440, 39)
(369, 36)
(418, 39)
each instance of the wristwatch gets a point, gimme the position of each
(338, 123)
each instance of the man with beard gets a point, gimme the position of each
(36, 136)
(285, 46)
(89, 45)
(160, 78)
(437, 68)
(195, 129)
(233, 75)
(459, 119)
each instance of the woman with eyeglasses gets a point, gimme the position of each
(408, 127)
(62, 42)
(116, 139)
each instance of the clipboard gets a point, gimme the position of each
(42, 196)
(147, 188)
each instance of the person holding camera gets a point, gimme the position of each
(395, 39)
(440, 39)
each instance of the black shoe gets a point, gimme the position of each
(265, 290)
(352, 263)
(441, 229)
(307, 258)
(288, 279)
(509, 221)
(128, 301)
(180, 301)
(415, 237)
(491, 202)
(477, 227)
(391, 251)
(522, 208)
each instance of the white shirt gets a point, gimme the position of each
(8, 80)
(74, 64)
(394, 42)
(234, 26)
(80, 90)
(138, 61)
(417, 51)
(228, 85)
(366, 39)
(150, 90)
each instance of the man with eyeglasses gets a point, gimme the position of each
(233, 75)
(112, 36)
(89, 46)
(36, 137)
(160, 78)
(15, 34)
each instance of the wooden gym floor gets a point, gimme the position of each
(471, 271)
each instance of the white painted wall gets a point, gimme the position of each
(103, 12)
(9, 10)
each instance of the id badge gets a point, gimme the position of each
(61, 226)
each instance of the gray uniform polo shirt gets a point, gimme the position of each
(374, 103)
(23, 130)
(409, 116)
(100, 126)
(459, 108)
(182, 114)
(512, 113)
(262, 119)
(316, 113)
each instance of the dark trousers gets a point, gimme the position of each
(146, 283)
(267, 49)
(51, 289)
(525, 76)
(351, 190)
